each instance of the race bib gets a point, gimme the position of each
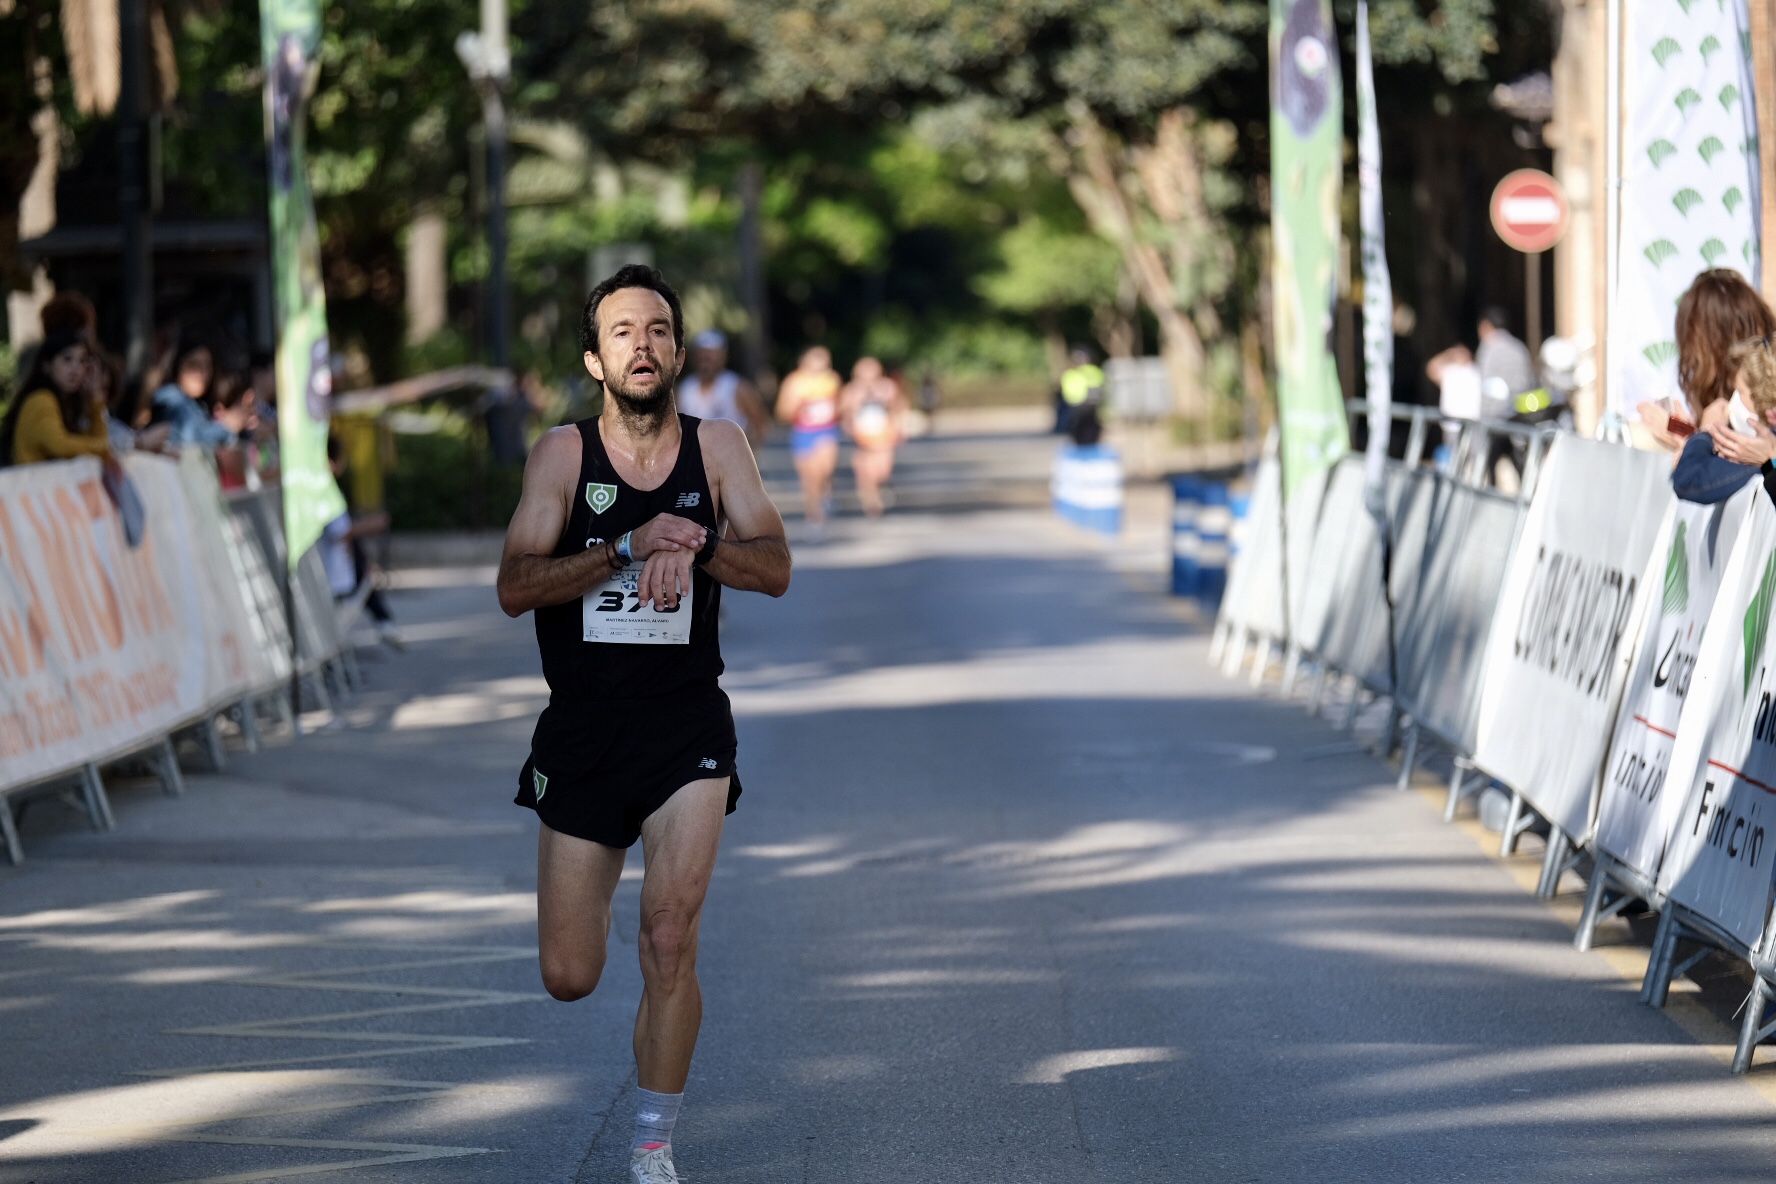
(613, 612)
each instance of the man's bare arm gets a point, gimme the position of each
(529, 577)
(753, 556)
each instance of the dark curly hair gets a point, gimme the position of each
(634, 275)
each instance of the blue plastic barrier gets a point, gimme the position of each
(1187, 501)
(1214, 532)
(1087, 487)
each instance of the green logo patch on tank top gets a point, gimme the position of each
(600, 497)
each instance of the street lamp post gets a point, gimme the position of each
(489, 63)
(134, 197)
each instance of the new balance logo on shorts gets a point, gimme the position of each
(540, 783)
(705, 763)
(689, 501)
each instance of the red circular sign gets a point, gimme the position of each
(1529, 210)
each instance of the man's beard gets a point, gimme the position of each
(647, 409)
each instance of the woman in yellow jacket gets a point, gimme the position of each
(60, 413)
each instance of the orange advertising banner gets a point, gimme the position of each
(104, 646)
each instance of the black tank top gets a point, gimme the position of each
(604, 508)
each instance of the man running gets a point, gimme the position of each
(627, 527)
(712, 391)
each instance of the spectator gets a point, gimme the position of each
(236, 407)
(1082, 386)
(263, 368)
(180, 403)
(1506, 367)
(930, 398)
(128, 421)
(59, 413)
(1718, 311)
(1457, 379)
(343, 555)
(1735, 443)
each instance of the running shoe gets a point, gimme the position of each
(652, 1165)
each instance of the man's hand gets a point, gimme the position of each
(667, 532)
(666, 579)
(1746, 450)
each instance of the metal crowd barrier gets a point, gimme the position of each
(1456, 543)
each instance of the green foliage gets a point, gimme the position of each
(921, 183)
(1046, 268)
(442, 479)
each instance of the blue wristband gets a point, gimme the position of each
(623, 551)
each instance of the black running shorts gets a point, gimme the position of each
(596, 770)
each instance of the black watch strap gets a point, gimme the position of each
(708, 551)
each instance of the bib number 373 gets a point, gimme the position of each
(613, 612)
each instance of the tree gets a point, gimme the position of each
(1158, 109)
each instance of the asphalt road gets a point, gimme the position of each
(1019, 891)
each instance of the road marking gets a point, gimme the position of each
(325, 1026)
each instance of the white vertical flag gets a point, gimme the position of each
(1690, 189)
(1378, 287)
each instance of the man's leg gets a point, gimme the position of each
(679, 841)
(575, 882)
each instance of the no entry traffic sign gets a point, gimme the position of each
(1529, 210)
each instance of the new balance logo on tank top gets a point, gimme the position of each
(607, 645)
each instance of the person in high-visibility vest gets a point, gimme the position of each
(1082, 385)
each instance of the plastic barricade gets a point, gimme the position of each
(1087, 487)
(1187, 504)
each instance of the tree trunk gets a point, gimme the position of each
(427, 271)
(36, 216)
(1099, 191)
(1054, 345)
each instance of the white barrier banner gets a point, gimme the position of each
(1455, 546)
(1639, 804)
(241, 660)
(1344, 527)
(1566, 625)
(1254, 596)
(1719, 855)
(102, 646)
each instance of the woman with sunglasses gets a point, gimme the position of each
(61, 412)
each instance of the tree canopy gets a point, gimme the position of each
(958, 182)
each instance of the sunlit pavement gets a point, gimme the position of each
(1019, 891)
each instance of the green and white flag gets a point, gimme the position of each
(1306, 169)
(1378, 285)
(1689, 178)
(289, 38)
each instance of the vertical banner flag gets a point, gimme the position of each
(1690, 191)
(1306, 167)
(289, 38)
(1378, 285)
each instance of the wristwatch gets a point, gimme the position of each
(707, 552)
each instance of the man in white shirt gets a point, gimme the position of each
(712, 391)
